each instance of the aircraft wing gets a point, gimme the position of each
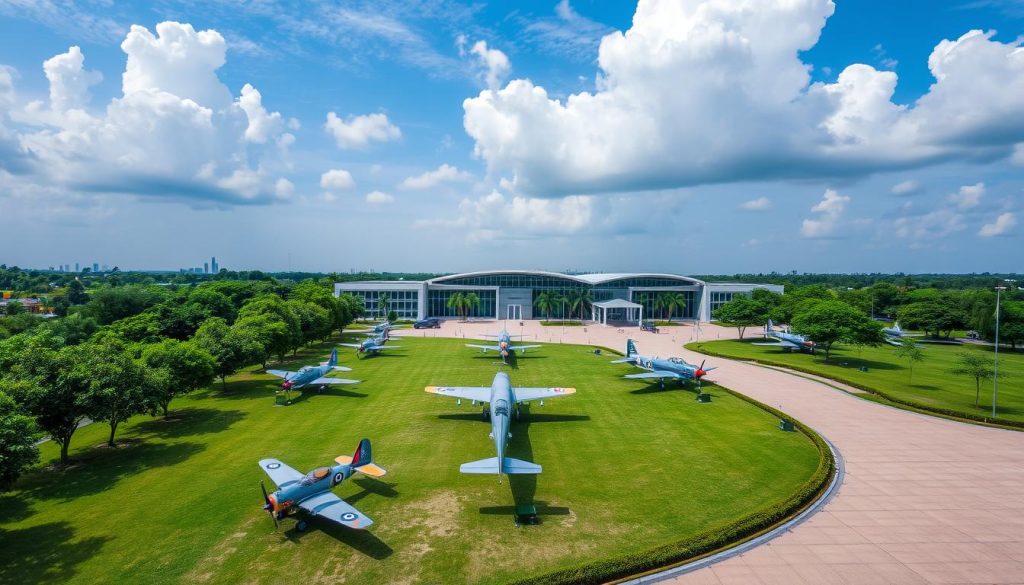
(334, 381)
(333, 508)
(478, 393)
(528, 394)
(281, 373)
(775, 344)
(521, 347)
(279, 473)
(355, 345)
(484, 347)
(653, 374)
(893, 341)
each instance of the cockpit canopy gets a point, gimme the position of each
(305, 369)
(315, 475)
(678, 360)
(501, 407)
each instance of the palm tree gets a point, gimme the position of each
(545, 301)
(558, 302)
(471, 302)
(575, 298)
(661, 302)
(586, 298)
(675, 300)
(456, 302)
(382, 304)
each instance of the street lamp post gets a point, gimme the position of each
(995, 372)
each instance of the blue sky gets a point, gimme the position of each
(689, 136)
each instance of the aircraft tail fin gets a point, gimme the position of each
(769, 326)
(630, 348)
(363, 454)
(507, 465)
(897, 327)
(334, 358)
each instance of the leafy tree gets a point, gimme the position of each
(1011, 323)
(827, 322)
(742, 312)
(941, 314)
(53, 390)
(800, 300)
(20, 323)
(673, 301)
(392, 316)
(17, 440)
(270, 333)
(180, 321)
(213, 303)
(975, 365)
(231, 348)
(76, 294)
(14, 308)
(118, 387)
(910, 351)
(110, 304)
(353, 309)
(73, 329)
(141, 328)
(186, 368)
(314, 322)
(274, 308)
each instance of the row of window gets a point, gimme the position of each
(717, 299)
(649, 299)
(554, 282)
(403, 302)
(437, 303)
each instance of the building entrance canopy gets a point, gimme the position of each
(634, 311)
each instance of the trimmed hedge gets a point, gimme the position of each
(898, 402)
(710, 541)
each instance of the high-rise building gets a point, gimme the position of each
(213, 265)
(206, 267)
(95, 266)
(76, 267)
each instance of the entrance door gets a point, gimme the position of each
(514, 313)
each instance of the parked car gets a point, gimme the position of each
(430, 323)
(648, 326)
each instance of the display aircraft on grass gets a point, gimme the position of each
(787, 340)
(371, 345)
(313, 375)
(502, 397)
(661, 369)
(895, 335)
(311, 493)
(503, 345)
(379, 329)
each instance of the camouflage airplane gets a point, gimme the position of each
(371, 345)
(313, 375)
(895, 335)
(311, 493)
(672, 368)
(502, 397)
(786, 340)
(503, 346)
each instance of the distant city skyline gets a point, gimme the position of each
(687, 137)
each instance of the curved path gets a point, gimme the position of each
(923, 500)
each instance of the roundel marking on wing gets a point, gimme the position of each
(274, 465)
(348, 516)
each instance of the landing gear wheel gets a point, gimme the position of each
(301, 526)
(485, 414)
(661, 384)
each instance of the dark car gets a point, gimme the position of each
(431, 323)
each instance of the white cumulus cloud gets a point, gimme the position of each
(908, 187)
(1002, 224)
(499, 216)
(337, 180)
(69, 81)
(379, 198)
(431, 179)
(494, 64)
(360, 131)
(969, 196)
(759, 204)
(707, 91)
(830, 209)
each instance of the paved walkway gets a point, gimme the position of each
(924, 500)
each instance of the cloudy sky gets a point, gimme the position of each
(691, 136)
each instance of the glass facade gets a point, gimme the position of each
(437, 303)
(717, 299)
(403, 302)
(541, 281)
(649, 300)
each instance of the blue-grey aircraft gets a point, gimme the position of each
(895, 335)
(672, 368)
(311, 493)
(786, 340)
(313, 375)
(379, 329)
(371, 345)
(503, 346)
(502, 397)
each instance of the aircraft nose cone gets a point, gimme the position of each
(699, 373)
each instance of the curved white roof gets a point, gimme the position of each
(591, 279)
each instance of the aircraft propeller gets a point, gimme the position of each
(269, 506)
(699, 373)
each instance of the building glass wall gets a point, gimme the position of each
(403, 302)
(717, 299)
(437, 303)
(649, 299)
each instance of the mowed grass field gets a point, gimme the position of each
(627, 467)
(933, 384)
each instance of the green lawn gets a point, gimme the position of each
(626, 468)
(933, 386)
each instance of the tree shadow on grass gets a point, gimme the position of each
(363, 541)
(13, 509)
(48, 553)
(851, 362)
(189, 421)
(96, 469)
(249, 389)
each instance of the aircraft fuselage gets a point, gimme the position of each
(502, 402)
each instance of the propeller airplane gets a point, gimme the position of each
(672, 368)
(371, 345)
(503, 346)
(786, 340)
(313, 375)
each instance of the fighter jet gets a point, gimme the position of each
(502, 397)
(673, 368)
(371, 345)
(313, 375)
(894, 335)
(787, 340)
(311, 493)
(503, 346)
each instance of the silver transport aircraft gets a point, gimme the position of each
(787, 340)
(502, 398)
